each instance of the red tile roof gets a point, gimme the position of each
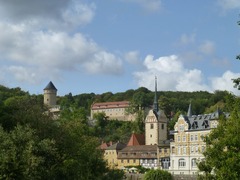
(136, 139)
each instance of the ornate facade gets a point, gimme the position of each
(188, 146)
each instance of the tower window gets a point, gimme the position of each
(162, 126)
(151, 126)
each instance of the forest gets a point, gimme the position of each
(34, 146)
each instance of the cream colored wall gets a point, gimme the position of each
(115, 113)
(111, 157)
(151, 134)
(50, 97)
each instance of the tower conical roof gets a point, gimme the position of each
(50, 86)
(189, 113)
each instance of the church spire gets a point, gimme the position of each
(189, 113)
(155, 103)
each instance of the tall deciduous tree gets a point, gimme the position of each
(222, 155)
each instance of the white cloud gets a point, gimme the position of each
(132, 57)
(171, 75)
(208, 47)
(149, 5)
(229, 4)
(191, 80)
(33, 45)
(225, 82)
(46, 14)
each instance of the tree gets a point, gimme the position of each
(222, 155)
(23, 154)
(237, 80)
(158, 175)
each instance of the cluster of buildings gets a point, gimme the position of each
(154, 149)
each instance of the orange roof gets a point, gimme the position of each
(136, 139)
(107, 105)
(104, 145)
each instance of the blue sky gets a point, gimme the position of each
(116, 45)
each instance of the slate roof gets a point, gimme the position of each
(50, 86)
(116, 146)
(202, 122)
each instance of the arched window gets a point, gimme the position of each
(194, 162)
(181, 163)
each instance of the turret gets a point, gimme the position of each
(50, 95)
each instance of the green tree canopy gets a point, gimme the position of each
(158, 175)
(222, 155)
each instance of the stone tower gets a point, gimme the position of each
(155, 123)
(50, 95)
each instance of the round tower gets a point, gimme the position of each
(50, 95)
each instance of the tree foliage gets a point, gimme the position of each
(158, 175)
(222, 155)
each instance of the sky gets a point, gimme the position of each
(99, 46)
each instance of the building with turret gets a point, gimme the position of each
(188, 145)
(50, 99)
(155, 124)
(50, 95)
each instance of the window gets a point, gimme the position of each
(121, 161)
(134, 161)
(194, 162)
(179, 139)
(181, 127)
(192, 149)
(162, 126)
(179, 150)
(196, 149)
(184, 138)
(191, 137)
(196, 137)
(184, 150)
(128, 161)
(181, 163)
(150, 135)
(151, 126)
(165, 150)
(173, 150)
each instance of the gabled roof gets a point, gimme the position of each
(104, 145)
(116, 146)
(50, 86)
(136, 139)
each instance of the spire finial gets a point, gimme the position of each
(155, 103)
(189, 113)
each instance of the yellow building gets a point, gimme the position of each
(188, 146)
(111, 153)
(113, 110)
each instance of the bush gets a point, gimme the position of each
(158, 175)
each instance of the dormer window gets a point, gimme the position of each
(205, 124)
(181, 127)
(195, 125)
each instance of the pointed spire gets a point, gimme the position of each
(155, 103)
(189, 113)
(50, 86)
